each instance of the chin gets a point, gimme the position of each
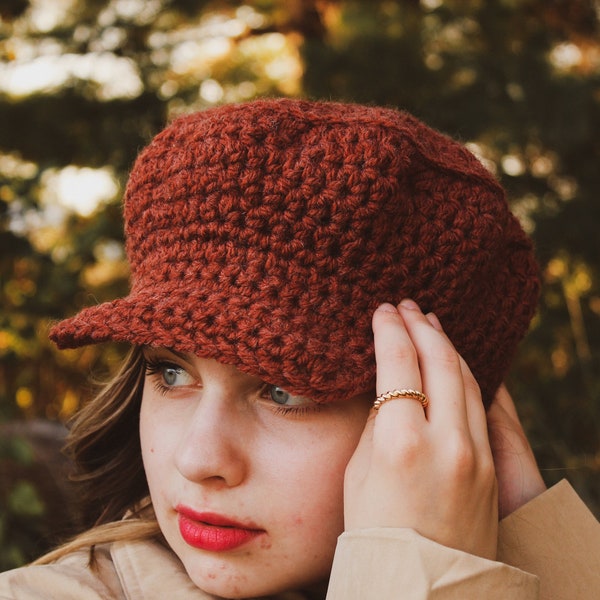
(234, 587)
(231, 584)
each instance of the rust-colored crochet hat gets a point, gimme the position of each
(265, 234)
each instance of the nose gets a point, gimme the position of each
(213, 449)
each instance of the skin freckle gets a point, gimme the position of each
(265, 544)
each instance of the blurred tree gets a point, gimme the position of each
(37, 507)
(83, 85)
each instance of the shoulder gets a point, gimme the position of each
(556, 537)
(141, 569)
(380, 562)
(71, 577)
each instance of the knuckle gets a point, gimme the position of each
(461, 454)
(487, 469)
(403, 450)
(402, 353)
(446, 356)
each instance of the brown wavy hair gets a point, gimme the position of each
(104, 445)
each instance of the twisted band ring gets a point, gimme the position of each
(404, 393)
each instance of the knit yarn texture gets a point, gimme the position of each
(265, 234)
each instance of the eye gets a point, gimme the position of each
(285, 399)
(171, 374)
(279, 395)
(167, 375)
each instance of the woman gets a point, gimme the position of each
(324, 299)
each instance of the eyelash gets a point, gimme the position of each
(294, 411)
(154, 370)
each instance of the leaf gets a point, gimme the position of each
(24, 500)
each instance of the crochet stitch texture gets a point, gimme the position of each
(265, 234)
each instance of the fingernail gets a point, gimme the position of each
(409, 304)
(435, 322)
(387, 307)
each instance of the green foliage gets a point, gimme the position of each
(21, 509)
(36, 501)
(24, 501)
(518, 80)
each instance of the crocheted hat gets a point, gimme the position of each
(265, 234)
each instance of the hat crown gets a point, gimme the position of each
(265, 234)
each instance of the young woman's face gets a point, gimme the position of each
(246, 479)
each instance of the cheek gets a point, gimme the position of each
(149, 449)
(155, 436)
(314, 494)
(331, 468)
(159, 422)
(147, 433)
(314, 485)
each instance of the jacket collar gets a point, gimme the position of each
(149, 571)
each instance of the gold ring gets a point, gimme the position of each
(412, 394)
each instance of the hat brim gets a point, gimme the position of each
(305, 365)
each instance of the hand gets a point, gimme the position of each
(429, 470)
(519, 479)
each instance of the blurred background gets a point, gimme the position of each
(85, 84)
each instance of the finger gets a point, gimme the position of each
(476, 415)
(435, 322)
(504, 399)
(359, 464)
(440, 368)
(396, 357)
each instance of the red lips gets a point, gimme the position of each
(213, 532)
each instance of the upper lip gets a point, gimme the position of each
(214, 519)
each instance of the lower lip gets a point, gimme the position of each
(214, 537)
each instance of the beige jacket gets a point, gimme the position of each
(552, 543)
